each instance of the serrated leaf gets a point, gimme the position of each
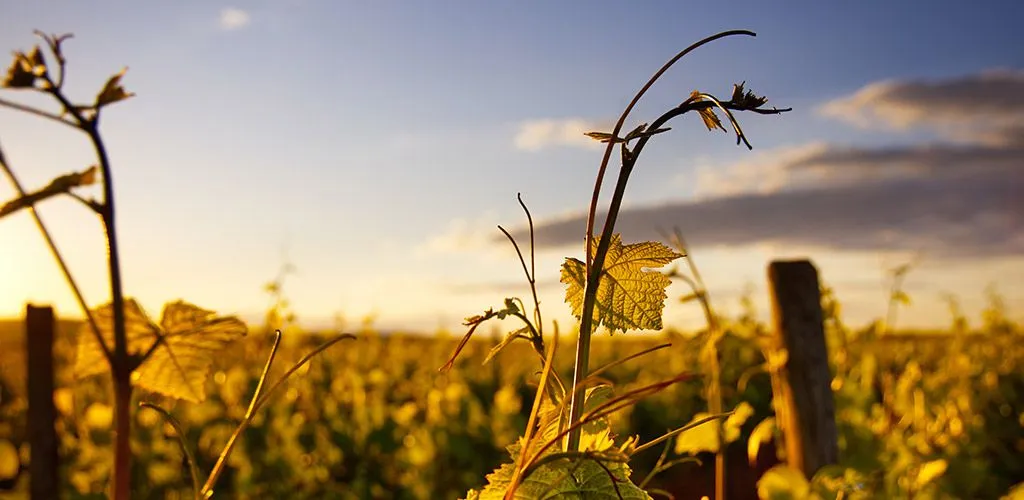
(763, 433)
(179, 366)
(61, 185)
(113, 91)
(628, 298)
(580, 478)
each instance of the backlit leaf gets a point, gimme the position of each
(578, 478)
(628, 298)
(703, 437)
(60, 185)
(179, 366)
(711, 120)
(113, 91)
(762, 434)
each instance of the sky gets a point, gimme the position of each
(377, 146)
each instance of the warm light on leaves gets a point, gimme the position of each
(179, 366)
(704, 437)
(628, 298)
(761, 435)
(783, 483)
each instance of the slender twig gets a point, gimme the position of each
(37, 112)
(594, 267)
(714, 389)
(58, 257)
(668, 435)
(221, 460)
(534, 413)
(193, 469)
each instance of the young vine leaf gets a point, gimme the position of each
(628, 298)
(711, 120)
(61, 185)
(178, 367)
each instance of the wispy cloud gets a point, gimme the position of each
(535, 135)
(985, 107)
(953, 198)
(232, 18)
(463, 236)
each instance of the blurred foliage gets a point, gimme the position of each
(923, 416)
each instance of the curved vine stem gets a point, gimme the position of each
(594, 266)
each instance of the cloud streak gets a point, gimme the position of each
(535, 135)
(985, 107)
(961, 197)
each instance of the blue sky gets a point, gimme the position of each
(377, 145)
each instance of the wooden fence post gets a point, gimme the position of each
(808, 423)
(42, 414)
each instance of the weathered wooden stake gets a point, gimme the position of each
(42, 415)
(808, 423)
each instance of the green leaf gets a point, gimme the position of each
(701, 438)
(578, 478)
(179, 366)
(763, 433)
(739, 416)
(628, 298)
(113, 91)
(783, 483)
(61, 185)
(704, 437)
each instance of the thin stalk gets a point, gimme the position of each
(594, 267)
(207, 488)
(37, 112)
(77, 292)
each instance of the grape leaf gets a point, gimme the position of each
(180, 365)
(581, 478)
(628, 297)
